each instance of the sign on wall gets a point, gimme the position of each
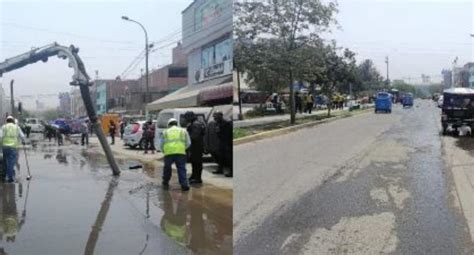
(214, 71)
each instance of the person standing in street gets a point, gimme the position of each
(112, 131)
(309, 101)
(149, 136)
(196, 130)
(224, 133)
(123, 124)
(11, 136)
(173, 143)
(85, 133)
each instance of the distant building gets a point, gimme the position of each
(64, 108)
(77, 104)
(447, 78)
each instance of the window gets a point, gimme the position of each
(177, 72)
(163, 119)
(216, 53)
(207, 57)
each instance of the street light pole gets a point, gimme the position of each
(146, 55)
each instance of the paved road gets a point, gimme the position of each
(369, 184)
(73, 205)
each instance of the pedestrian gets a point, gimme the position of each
(85, 133)
(112, 131)
(309, 101)
(196, 130)
(173, 143)
(59, 137)
(224, 133)
(299, 102)
(123, 124)
(11, 136)
(149, 136)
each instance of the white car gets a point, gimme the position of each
(440, 101)
(36, 126)
(133, 135)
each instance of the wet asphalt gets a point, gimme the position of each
(426, 221)
(73, 205)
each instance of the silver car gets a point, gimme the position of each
(133, 135)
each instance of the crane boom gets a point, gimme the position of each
(79, 78)
(36, 54)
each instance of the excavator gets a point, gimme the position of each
(79, 78)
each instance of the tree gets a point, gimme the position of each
(369, 77)
(289, 25)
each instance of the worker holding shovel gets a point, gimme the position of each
(11, 136)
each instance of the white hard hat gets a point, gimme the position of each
(10, 117)
(172, 120)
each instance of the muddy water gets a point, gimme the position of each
(73, 205)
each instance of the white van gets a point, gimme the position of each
(202, 113)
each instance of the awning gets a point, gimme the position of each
(216, 93)
(185, 97)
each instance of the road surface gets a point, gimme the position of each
(369, 184)
(73, 205)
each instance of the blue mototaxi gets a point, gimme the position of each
(383, 102)
(407, 100)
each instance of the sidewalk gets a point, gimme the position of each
(121, 151)
(277, 118)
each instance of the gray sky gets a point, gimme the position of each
(422, 36)
(418, 36)
(107, 43)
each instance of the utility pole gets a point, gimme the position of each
(12, 100)
(387, 62)
(453, 72)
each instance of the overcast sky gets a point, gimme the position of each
(107, 43)
(420, 37)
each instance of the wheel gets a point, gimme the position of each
(375, 111)
(142, 144)
(389, 111)
(133, 146)
(445, 129)
(456, 132)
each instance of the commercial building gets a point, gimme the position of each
(207, 43)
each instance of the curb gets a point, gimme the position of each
(282, 131)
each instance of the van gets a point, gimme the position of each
(202, 113)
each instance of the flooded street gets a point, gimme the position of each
(73, 205)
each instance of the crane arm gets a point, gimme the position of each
(80, 75)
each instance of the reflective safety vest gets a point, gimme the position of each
(10, 135)
(174, 141)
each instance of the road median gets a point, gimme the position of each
(251, 134)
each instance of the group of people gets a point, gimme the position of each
(338, 102)
(305, 99)
(181, 144)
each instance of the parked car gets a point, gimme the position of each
(133, 135)
(383, 102)
(35, 125)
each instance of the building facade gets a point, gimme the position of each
(207, 40)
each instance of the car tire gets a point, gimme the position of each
(133, 146)
(141, 144)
